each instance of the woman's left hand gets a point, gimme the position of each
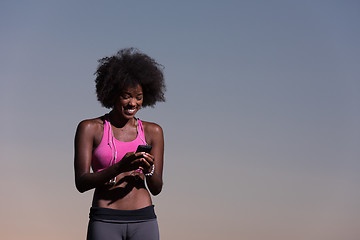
(146, 163)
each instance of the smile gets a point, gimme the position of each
(130, 111)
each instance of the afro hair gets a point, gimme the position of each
(127, 68)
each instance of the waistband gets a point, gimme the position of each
(121, 216)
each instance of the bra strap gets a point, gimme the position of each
(141, 131)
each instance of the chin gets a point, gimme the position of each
(129, 116)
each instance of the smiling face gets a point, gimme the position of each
(129, 101)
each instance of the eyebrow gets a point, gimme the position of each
(130, 93)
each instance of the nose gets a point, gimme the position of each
(132, 102)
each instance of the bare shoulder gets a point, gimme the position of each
(91, 126)
(152, 129)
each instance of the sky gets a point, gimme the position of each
(261, 118)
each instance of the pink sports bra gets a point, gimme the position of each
(111, 150)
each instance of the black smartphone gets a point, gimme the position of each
(144, 148)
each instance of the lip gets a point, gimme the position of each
(130, 111)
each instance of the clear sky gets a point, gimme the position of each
(261, 121)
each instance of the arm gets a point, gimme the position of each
(84, 141)
(156, 139)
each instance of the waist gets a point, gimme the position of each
(121, 216)
(128, 196)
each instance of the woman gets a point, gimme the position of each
(122, 206)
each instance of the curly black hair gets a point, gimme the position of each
(127, 68)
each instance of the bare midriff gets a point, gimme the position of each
(128, 193)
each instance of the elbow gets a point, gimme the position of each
(80, 186)
(156, 190)
(81, 190)
(155, 193)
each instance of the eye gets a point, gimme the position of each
(139, 96)
(125, 96)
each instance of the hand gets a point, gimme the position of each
(136, 160)
(146, 162)
(129, 162)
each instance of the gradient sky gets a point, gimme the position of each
(261, 121)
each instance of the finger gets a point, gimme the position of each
(138, 155)
(149, 162)
(149, 155)
(149, 158)
(144, 164)
(146, 169)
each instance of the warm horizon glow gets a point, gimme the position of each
(261, 120)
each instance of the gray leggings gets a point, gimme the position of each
(145, 230)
